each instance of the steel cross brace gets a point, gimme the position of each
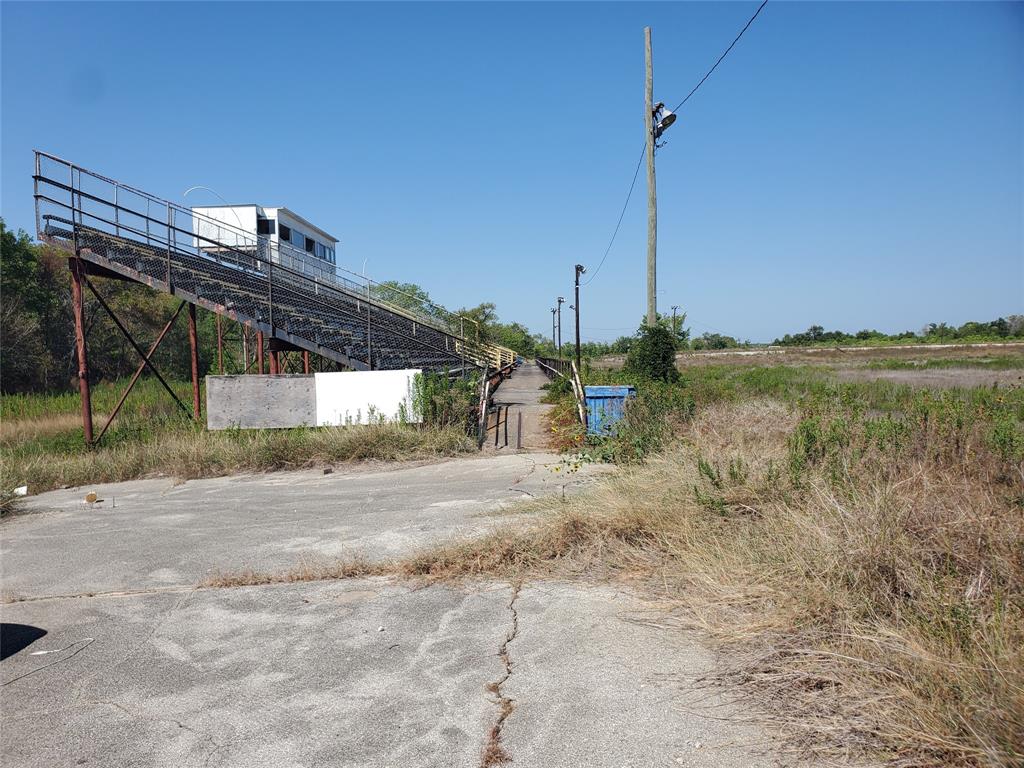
(145, 358)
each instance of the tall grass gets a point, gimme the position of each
(855, 550)
(42, 445)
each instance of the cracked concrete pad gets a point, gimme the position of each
(593, 685)
(285, 675)
(154, 534)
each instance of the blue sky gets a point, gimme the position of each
(849, 164)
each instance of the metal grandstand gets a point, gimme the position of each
(123, 232)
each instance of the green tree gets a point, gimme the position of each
(407, 296)
(515, 336)
(653, 355)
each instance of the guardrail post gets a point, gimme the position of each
(369, 347)
(170, 286)
(270, 294)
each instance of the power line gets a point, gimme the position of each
(639, 162)
(745, 28)
(618, 224)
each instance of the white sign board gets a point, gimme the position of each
(365, 397)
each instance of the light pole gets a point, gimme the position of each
(580, 269)
(656, 120)
(674, 308)
(216, 194)
(561, 301)
(554, 343)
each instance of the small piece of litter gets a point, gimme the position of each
(328, 470)
(21, 490)
(380, 629)
(91, 497)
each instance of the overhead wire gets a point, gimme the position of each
(636, 173)
(720, 58)
(618, 224)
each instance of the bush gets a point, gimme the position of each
(653, 356)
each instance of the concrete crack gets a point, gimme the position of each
(217, 746)
(533, 468)
(494, 753)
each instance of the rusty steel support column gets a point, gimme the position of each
(305, 361)
(275, 363)
(83, 361)
(220, 345)
(259, 352)
(193, 345)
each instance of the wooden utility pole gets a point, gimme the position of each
(652, 194)
(579, 270)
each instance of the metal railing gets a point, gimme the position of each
(269, 285)
(553, 366)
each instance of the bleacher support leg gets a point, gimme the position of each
(259, 352)
(305, 361)
(220, 345)
(193, 343)
(83, 362)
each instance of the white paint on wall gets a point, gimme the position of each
(362, 397)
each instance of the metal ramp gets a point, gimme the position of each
(117, 230)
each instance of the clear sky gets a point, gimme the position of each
(849, 164)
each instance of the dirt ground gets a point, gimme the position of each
(830, 355)
(851, 363)
(935, 378)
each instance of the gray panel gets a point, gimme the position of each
(260, 402)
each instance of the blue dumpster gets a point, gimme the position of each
(606, 407)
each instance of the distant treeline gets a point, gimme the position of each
(1002, 329)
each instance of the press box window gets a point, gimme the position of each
(264, 227)
(286, 232)
(310, 244)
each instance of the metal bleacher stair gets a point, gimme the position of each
(120, 231)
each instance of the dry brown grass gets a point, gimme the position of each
(17, 430)
(341, 569)
(187, 454)
(878, 617)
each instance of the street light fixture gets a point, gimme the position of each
(219, 197)
(662, 119)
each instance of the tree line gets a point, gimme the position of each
(1001, 329)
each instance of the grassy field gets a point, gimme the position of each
(41, 441)
(854, 549)
(964, 355)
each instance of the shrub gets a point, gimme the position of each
(653, 356)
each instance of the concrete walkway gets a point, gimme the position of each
(148, 534)
(522, 395)
(143, 669)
